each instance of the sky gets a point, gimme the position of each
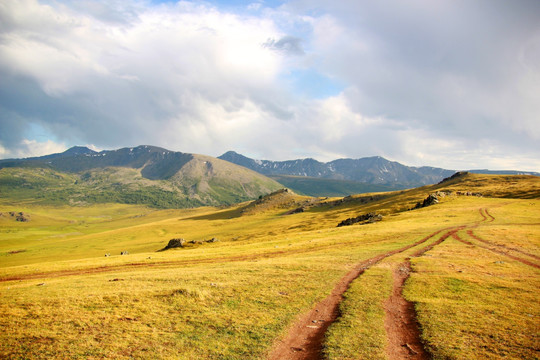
(446, 83)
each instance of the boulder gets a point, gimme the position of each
(432, 199)
(174, 243)
(363, 219)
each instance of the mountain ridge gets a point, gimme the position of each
(370, 170)
(139, 175)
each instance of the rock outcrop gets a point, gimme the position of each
(362, 219)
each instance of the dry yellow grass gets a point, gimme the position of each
(61, 298)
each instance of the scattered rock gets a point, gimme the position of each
(411, 350)
(124, 252)
(181, 243)
(22, 217)
(107, 254)
(40, 284)
(432, 199)
(468, 193)
(363, 219)
(174, 243)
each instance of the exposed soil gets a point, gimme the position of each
(495, 250)
(441, 239)
(501, 246)
(402, 328)
(491, 218)
(305, 338)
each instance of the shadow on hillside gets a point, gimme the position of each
(220, 215)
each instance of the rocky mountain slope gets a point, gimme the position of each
(370, 170)
(141, 175)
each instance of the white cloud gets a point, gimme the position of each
(31, 148)
(445, 82)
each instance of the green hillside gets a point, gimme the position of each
(329, 187)
(200, 181)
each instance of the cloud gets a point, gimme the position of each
(288, 45)
(109, 83)
(31, 148)
(449, 83)
(453, 66)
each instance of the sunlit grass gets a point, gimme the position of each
(234, 298)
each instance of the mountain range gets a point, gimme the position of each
(140, 175)
(371, 170)
(169, 179)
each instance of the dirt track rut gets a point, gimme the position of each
(402, 328)
(305, 338)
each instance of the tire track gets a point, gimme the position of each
(487, 242)
(486, 215)
(502, 249)
(489, 215)
(501, 252)
(304, 340)
(401, 324)
(162, 264)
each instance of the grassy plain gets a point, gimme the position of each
(233, 299)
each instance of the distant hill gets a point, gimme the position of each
(370, 170)
(367, 171)
(312, 186)
(139, 175)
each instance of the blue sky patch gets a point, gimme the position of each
(313, 84)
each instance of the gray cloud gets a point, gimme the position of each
(288, 45)
(450, 83)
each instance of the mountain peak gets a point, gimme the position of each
(78, 150)
(372, 170)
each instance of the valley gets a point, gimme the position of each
(465, 268)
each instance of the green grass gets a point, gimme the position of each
(197, 185)
(360, 333)
(329, 187)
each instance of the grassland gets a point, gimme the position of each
(60, 297)
(329, 187)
